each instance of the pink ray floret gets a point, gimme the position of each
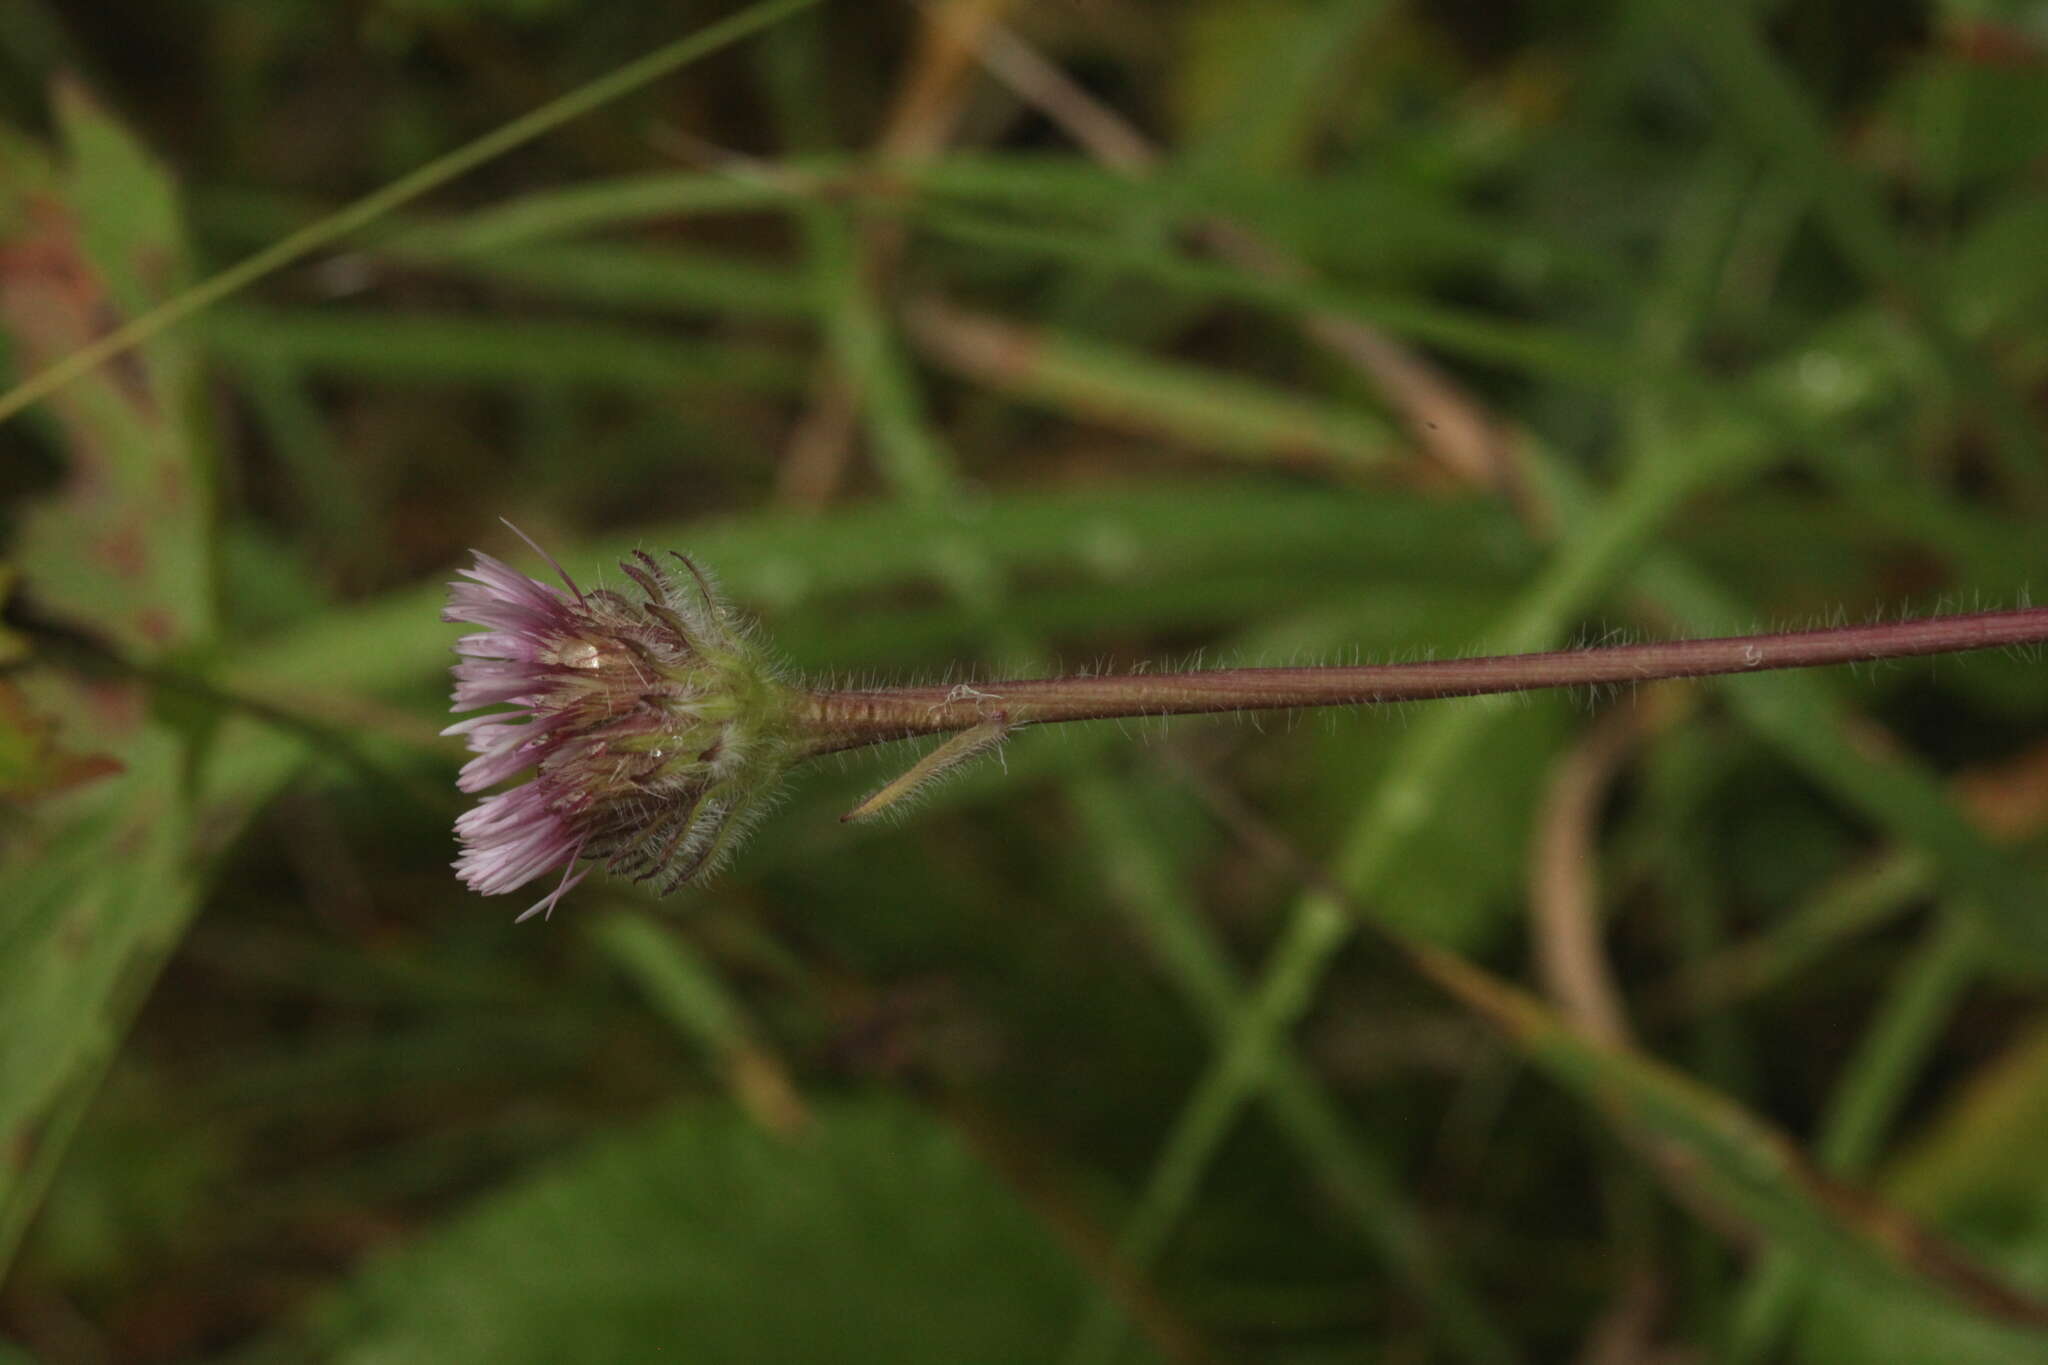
(512, 838)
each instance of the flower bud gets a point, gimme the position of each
(655, 730)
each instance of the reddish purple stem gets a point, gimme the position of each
(851, 719)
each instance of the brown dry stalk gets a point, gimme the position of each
(1537, 1031)
(922, 120)
(1564, 893)
(1442, 418)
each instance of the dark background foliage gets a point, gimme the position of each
(1697, 1023)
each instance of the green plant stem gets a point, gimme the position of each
(398, 193)
(1146, 883)
(1858, 902)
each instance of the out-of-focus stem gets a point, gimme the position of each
(852, 719)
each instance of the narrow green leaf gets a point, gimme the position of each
(415, 350)
(374, 206)
(1122, 387)
(1545, 351)
(1120, 539)
(1755, 1170)
(635, 278)
(1800, 714)
(1780, 118)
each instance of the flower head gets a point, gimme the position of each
(654, 730)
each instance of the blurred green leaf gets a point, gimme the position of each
(1851, 1323)
(104, 875)
(686, 990)
(1172, 538)
(125, 543)
(1976, 1170)
(1984, 1147)
(1462, 881)
(874, 1236)
(34, 758)
(1997, 276)
(1252, 78)
(92, 908)
(1552, 353)
(549, 214)
(101, 879)
(14, 646)
(1780, 116)
(1123, 388)
(440, 350)
(1972, 121)
(633, 278)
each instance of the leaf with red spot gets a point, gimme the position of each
(13, 644)
(85, 246)
(34, 761)
(105, 863)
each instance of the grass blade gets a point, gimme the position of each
(397, 194)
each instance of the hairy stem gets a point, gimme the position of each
(853, 719)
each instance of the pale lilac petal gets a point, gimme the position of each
(508, 582)
(501, 597)
(469, 696)
(472, 728)
(484, 610)
(502, 644)
(515, 661)
(505, 747)
(488, 770)
(510, 839)
(491, 672)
